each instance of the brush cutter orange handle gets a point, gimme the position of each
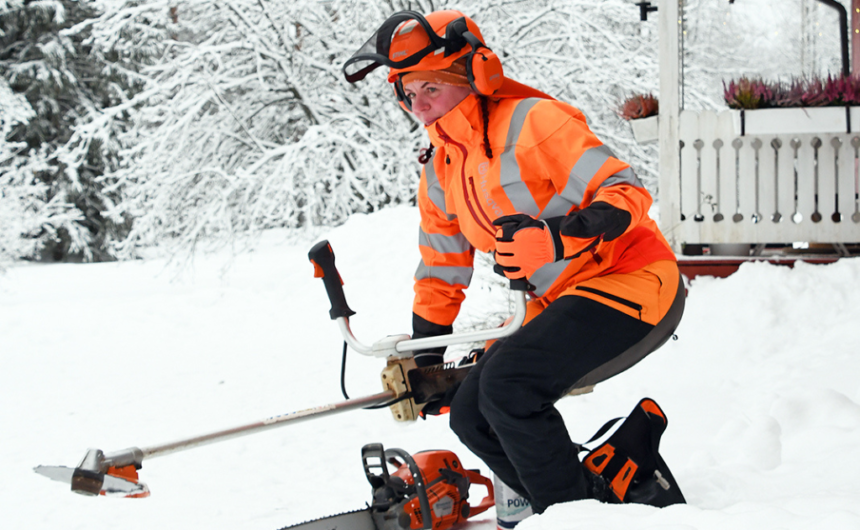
(488, 501)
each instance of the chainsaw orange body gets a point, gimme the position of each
(447, 485)
(428, 490)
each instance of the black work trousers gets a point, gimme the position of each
(504, 410)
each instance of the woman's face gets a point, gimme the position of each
(431, 101)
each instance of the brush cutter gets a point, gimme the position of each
(406, 388)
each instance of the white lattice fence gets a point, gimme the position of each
(776, 188)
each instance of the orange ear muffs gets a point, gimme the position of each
(483, 67)
(484, 71)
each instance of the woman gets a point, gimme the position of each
(514, 172)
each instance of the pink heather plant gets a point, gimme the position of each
(748, 93)
(639, 106)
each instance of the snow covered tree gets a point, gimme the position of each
(20, 203)
(51, 176)
(246, 121)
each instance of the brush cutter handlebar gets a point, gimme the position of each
(322, 257)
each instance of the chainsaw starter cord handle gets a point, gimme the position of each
(322, 257)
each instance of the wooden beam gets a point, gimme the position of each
(670, 109)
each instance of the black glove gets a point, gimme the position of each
(599, 221)
(441, 405)
(422, 328)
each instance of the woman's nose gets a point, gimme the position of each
(419, 102)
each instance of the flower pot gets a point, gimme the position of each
(800, 120)
(645, 129)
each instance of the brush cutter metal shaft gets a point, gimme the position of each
(97, 472)
(269, 423)
(134, 455)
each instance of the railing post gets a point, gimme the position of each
(670, 109)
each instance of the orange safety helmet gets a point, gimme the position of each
(409, 42)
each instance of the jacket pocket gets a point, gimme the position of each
(609, 296)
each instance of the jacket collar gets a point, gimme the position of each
(462, 124)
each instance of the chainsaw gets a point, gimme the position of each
(428, 490)
(406, 389)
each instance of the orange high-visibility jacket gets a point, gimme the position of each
(546, 163)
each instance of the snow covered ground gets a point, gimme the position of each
(761, 390)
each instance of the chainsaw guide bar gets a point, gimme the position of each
(355, 520)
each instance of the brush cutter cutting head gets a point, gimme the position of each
(96, 476)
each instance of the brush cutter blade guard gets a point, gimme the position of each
(116, 482)
(113, 475)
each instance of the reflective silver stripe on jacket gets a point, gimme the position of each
(593, 159)
(449, 275)
(456, 244)
(509, 172)
(574, 191)
(625, 176)
(434, 190)
(544, 277)
(570, 196)
(441, 243)
(590, 163)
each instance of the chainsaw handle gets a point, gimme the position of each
(373, 456)
(417, 481)
(487, 502)
(322, 257)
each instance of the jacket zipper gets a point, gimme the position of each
(609, 296)
(471, 208)
(478, 202)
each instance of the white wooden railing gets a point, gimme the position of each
(776, 188)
